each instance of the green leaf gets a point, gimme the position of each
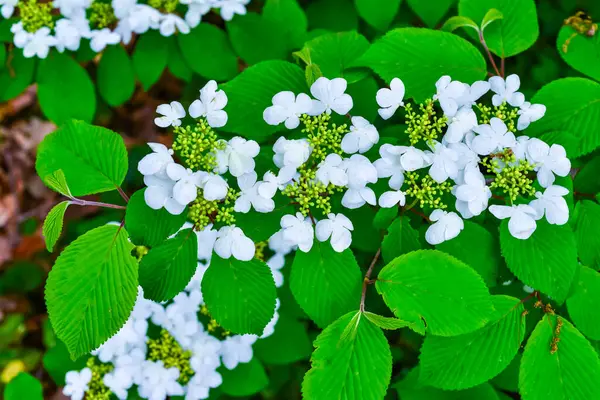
(571, 372)
(147, 226)
(245, 380)
(485, 260)
(65, 90)
(245, 31)
(445, 293)
(384, 217)
(176, 63)
(208, 52)
(583, 303)
(17, 74)
(93, 159)
(347, 351)
(489, 17)
(23, 387)
(420, 57)
(57, 363)
(457, 362)
(57, 182)
(252, 91)
(260, 226)
(290, 18)
(150, 57)
(572, 105)
(167, 268)
(288, 344)
(115, 76)
(547, 261)
(378, 13)
(393, 323)
(92, 288)
(411, 389)
(326, 284)
(453, 23)
(431, 12)
(332, 15)
(53, 224)
(240, 295)
(586, 180)
(508, 379)
(400, 239)
(587, 220)
(583, 52)
(514, 33)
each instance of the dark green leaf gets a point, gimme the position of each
(583, 303)
(23, 387)
(150, 57)
(288, 344)
(116, 78)
(245, 380)
(587, 220)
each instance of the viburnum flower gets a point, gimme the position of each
(251, 196)
(506, 91)
(237, 349)
(171, 114)
(210, 105)
(520, 148)
(447, 226)
(298, 230)
(362, 136)
(444, 162)
(159, 194)
(291, 154)
(67, 35)
(77, 383)
(231, 241)
(214, 186)
(358, 197)
(473, 93)
(549, 161)
(287, 108)
(552, 204)
(330, 96)
(337, 227)
(104, 37)
(187, 183)
(391, 198)
(39, 43)
(360, 171)
(466, 156)
(156, 162)
(205, 351)
(390, 99)
(203, 380)
(118, 382)
(521, 224)
(141, 18)
(69, 8)
(279, 244)
(159, 382)
(229, 8)
(172, 23)
(395, 160)
(492, 137)
(237, 157)
(529, 113)
(8, 7)
(448, 94)
(472, 195)
(196, 10)
(459, 125)
(331, 170)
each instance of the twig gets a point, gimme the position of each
(502, 65)
(367, 280)
(489, 54)
(123, 194)
(81, 202)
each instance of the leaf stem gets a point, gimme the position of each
(367, 280)
(81, 202)
(489, 54)
(123, 194)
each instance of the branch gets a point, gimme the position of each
(367, 280)
(123, 194)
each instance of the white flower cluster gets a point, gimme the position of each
(458, 156)
(131, 17)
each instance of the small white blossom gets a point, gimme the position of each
(39, 43)
(529, 113)
(520, 148)
(196, 10)
(205, 378)
(330, 96)
(548, 160)
(210, 105)
(390, 99)
(237, 349)
(102, 38)
(298, 230)
(159, 382)
(360, 171)
(69, 8)
(473, 93)
(493, 137)
(331, 170)
(159, 194)
(472, 195)
(172, 23)
(362, 136)
(446, 226)
(77, 383)
(552, 204)
(521, 224)
(466, 156)
(448, 94)
(279, 244)
(395, 160)
(337, 227)
(156, 162)
(67, 35)
(20, 36)
(459, 125)
(444, 162)
(187, 183)
(229, 8)
(358, 197)
(231, 241)
(275, 263)
(287, 108)
(251, 195)
(171, 114)
(8, 7)
(290, 155)
(391, 198)
(141, 18)
(214, 187)
(237, 157)
(506, 91)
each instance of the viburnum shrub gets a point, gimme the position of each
(440, 210)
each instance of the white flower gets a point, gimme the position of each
(472, 195)
(67, 35)
(337, 227)
(356, 198)
(447, 226)
(521, 224)
(298, 230)
(260, 200)
(549, 161)
(196, 9)
(231, 241)
(156, 162)
(214, 187)
(361, 138)
(360, 171)
(20, 36)
(506, 91)
(171, 114)
(237, 349)
(473, 93)
(206, 242)
(159, 382)
(331, 170)
(459, 125)
(552, 204)
(275, 263)
(237, 157)
(8, 7)
(69, 8)
(187, 183)
(330, 96)
(210, 105)
(122, 8)
(205, 378)
(77, 383)
(492, 138)
(159, 194)
(444, 162)
(279, 244)
(390, 99)
(291, 154)
(141, 18)
(520, 148)
(172, 23)
(448, 94)
(287, 108)
(118, 383)
(39, 44)
(391, 198)
(205, 351)
(229, 8)
(466, 156)
(529, 113)
(104, 37)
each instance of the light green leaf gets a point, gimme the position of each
(400, 239)
(378, 13)
(583, 303)
(17, 75)
(65, 90)
(208, 52)
(167, 268)
(457, 362)
(288, 344)
(57, 182)
(245, 380)
(453, 23)
(53, 224)
(489, 17)
(325, 283)
(572, 105)
(514, 33)
(252, 91)
(150, 57)
(411, 389)
(347, 351)
(115, 76)
(572, 372)
(92, 288)
(312, 73)
(245, 31)
(420, 57)
(240, 295)
(93, 159)
(431, 12)
(393, 323)
(147, 226)
(582, 52)
(587, 220)
(290, 18)
(485, 260)
(332, 15)
(23, 387)
(547, 261)
(445, 293)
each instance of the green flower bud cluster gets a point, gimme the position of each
(102, 15)
(97, 389)
(507, 114)
(425, 124)
(426, 191)
(35, 15)
(197, 145)
(307, 192)
(323, 138)
(259, 253)
(169, 351)
(167, 6)
(511, 176)
(212, 326)
(203, 212)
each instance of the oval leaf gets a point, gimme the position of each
(583, 303)
(53, 224)
(116, 78)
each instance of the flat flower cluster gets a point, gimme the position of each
(104, 22)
